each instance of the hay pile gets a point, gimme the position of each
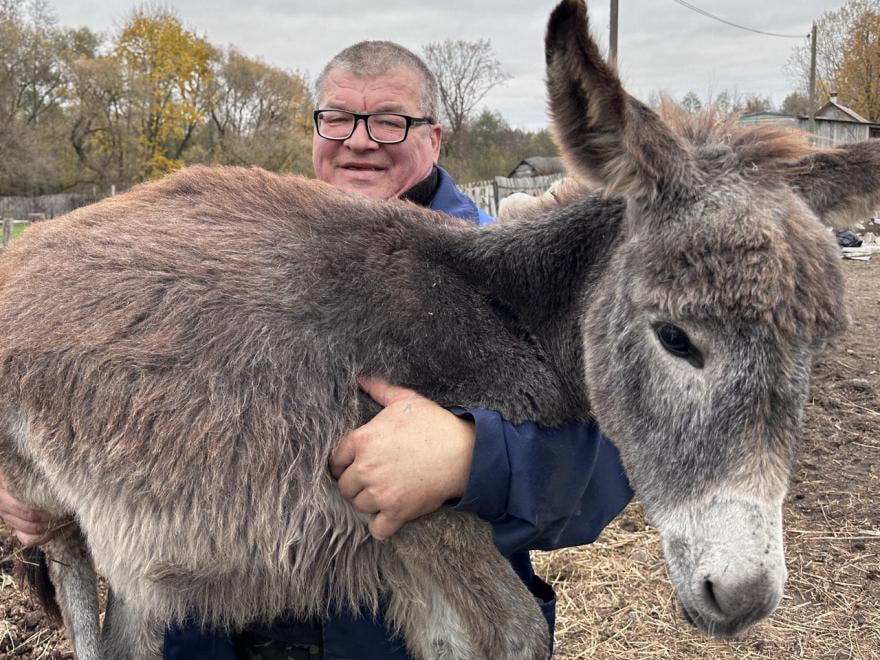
(615, 600)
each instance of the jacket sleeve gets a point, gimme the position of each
(542, 488)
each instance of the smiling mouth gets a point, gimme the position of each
(356, 167)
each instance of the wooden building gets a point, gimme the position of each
(537, 166)
(835, 124)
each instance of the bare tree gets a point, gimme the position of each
(691, 102)
(754, 103)
(259, 115)
(796, 103)
(466, 71)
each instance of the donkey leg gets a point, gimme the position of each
(129, 634)
(453, 596)
(76, 591)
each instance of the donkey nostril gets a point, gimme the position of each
(709, 595)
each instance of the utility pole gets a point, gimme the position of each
(612, 39)
(813, 81)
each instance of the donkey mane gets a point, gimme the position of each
(749, 247)
(722, 143)
(766, 146)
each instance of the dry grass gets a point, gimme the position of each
(615, 600)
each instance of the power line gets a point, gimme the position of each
(736, 25)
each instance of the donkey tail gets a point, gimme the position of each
(32, 573)
(62, 578)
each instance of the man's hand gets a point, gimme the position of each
(405, 462)
(29, 525)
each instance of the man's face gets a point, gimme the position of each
(379, 171)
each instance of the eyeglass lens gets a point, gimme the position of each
(339, 125)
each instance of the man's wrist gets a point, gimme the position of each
(462, 469)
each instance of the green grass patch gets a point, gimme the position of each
(18, 228)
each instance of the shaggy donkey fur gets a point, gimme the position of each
(178, 362)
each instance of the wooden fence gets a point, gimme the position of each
(487, 194)
(49, 206)
(9, 226)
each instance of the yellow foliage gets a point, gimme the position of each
(167, 69)
(858, 78)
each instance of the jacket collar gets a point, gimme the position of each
(451, 200)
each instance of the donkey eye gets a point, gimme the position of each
(676, 342)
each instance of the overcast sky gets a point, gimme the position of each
(662, 45)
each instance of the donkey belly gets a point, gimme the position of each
(267, 533)
(230, 575)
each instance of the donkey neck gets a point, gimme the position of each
(542, 267)
(539, 273)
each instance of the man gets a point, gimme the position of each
(376, 134)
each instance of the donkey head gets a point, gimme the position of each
(700, 336)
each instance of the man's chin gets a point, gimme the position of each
(376, 188)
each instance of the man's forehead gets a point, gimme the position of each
(398, 89)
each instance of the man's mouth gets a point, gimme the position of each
(362, 167)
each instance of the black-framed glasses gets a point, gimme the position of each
(382, 127)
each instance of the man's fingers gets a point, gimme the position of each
(28, 539)
(342, 456)
(13, 508)
(28, 527)
(16, 514)
(382, 526)
(383, 392)
(365, 502)
(350, 484)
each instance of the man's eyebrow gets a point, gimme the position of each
(382, 107)
(389, 107)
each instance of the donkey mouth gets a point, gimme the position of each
(726, 608)
(727, 565)
(731, 628)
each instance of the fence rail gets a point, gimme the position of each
(487, 194)
(48, 206)
(9, 229)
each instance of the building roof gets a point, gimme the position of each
(541, 165)
(768, 116)
(849, 112)
(844, 115)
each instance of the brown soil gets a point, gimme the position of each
(614, 598)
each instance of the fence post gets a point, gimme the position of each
(7, 230)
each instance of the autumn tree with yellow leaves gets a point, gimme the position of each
(847, 59)
(166, 69)
(857, 82)
(79, 110)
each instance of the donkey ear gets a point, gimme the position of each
(841, 185)
(604, 134)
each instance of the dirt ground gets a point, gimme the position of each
(614, 598)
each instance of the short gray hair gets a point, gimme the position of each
(368, 59)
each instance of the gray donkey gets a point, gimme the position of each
(177, 363)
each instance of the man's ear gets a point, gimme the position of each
(841, 185)
(436, 140)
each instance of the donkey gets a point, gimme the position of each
(177, 363)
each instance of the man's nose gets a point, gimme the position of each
(360, 139)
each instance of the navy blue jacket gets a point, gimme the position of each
(541, 488)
